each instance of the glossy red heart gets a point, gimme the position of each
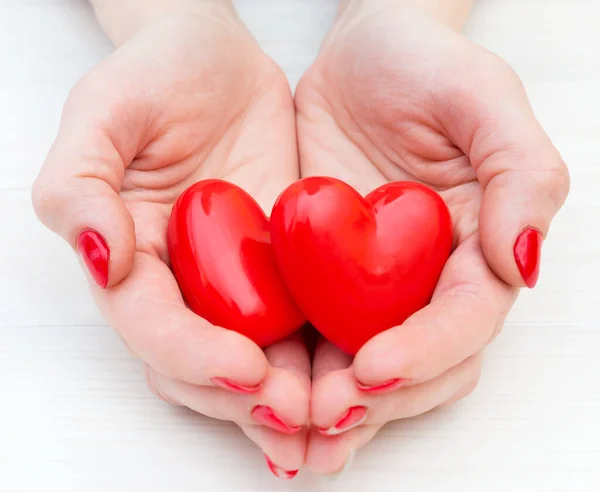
(222, 258)
(358, 266)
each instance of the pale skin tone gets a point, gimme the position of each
(396, 93)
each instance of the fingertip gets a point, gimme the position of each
(239, 359)
(93, 219)
(528, 253)
(286, 452)
(278, 471)
(108, 228)
(95, 254)
(332, 396)
(289, 394)
(377, 365)
(516, 213)
(331, 456)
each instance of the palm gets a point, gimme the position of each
(369, 113)
(205, 115)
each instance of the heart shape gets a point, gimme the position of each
(221, 255)
(358, 266)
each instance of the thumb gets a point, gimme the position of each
(525, 184)
(76, 193)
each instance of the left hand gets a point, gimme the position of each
(187, 95)
(397, 95)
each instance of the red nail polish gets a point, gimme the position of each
(528, 252)
(280, 472)
(233, 386)
(353, 417)
(266, 416)
(390, 385)
(95, 253)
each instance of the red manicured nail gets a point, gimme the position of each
(280, 472)
(95, 253)
(267, 417)
(390, 385)
(353, 417)
(233, 386)
(528, 252)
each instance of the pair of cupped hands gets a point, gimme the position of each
(395, 94)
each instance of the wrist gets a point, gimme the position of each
(123, 19)
(453, 13)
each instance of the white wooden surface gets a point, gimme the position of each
(74, 412)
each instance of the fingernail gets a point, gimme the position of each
(95, 253)
(280, 472)
(235, 387)
(390, 385)
(528, 252)
(266, 416)
(353, 417)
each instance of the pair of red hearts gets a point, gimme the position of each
(351, 266)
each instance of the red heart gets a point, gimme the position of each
(358, 266)
(222, 258)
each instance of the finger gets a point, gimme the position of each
(333, 452)
(342, 407)
(419, 399)
(284, 454)
(524, 177)
(467, 311)
(337, 406)
(334, 455)
(76, 193)
(147, 310)
(281, 403)
(287, 389)
(275, 418)
(524, 189)
(226, 405)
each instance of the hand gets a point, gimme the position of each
(396, 94)
(187, 97)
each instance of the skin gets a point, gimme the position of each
(395, 94)
(185, 96)
(398, 94)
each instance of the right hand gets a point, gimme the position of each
(396, 95)
(188, 97)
